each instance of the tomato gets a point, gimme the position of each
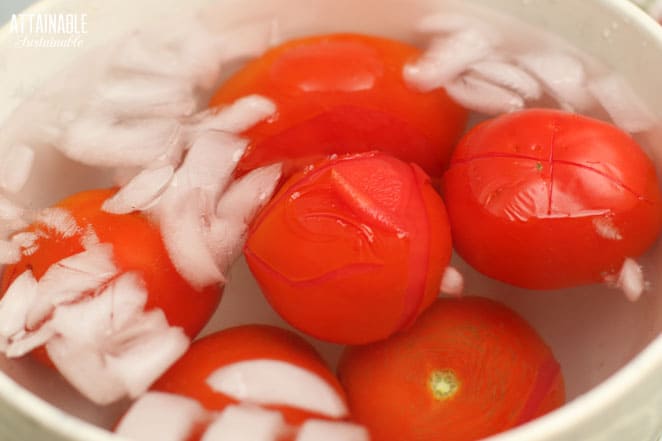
(468, 368)
(353, 249)
(544, 199)
(192, 375)
(137, 247)
(343, 93)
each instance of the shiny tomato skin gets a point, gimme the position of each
(545, 199)
(468, 368)
(137, 247)
(188, 376)
(353, 249)
(343, 93)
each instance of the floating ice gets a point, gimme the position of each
(141, 96)
(630, 279)
(102, 140)
(447, 58)
(246, 423)
(10, 252)
(140, 192)
(163, 417)
(320, 430)
(562, 75)
(15, 304)
(508, 76)
(624, 107)
(184, 236)
(236, 117)
(71, 278)
(452, 282)
(482, 96)
(107, 347)
(277, 382)
(15, 168)
(59, 220)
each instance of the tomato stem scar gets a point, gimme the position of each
(443, 384)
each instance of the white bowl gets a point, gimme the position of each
(611, 350)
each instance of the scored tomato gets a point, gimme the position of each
(343, 93)
(353, 249)
(545, 199)
(192, 375)
(468, 368)
(137, 247)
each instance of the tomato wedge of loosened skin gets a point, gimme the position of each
(137, 247)
(468, 368)
(546, 199)
(343, 93)
(352, 250)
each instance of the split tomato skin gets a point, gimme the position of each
(468, 368)
(353, 249)
(137, 247)
(544, 199)
(188, 376)
(343, 93)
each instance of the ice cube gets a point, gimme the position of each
(508, 76)
(162, 416)
(446, 58)
(237, 117)
(15, 304)
(58, 220)
(246, 423)
(562, 76)
(143, 96)
(452, 282)
(180, 220)
(140, 192)
(101, 140)
(10, 252)
(483, 97)
(275, 382)
(15, 167)
(321, 430)
(70, 278)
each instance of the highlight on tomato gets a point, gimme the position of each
(468, 368)
(343, 93)
(353, 249)
(259, 365)
(545, 199)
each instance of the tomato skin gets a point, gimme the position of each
(188, 376)
(137, 247)
(503, 375)
(343, 93)
(352, 250)
(544, 199)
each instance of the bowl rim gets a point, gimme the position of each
(581, 409)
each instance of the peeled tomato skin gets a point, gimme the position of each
(544, 199)
(137, 246)
(353, 250)
(490, 370)
(343, 93)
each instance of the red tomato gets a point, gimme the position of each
(353, 249)
(545, 199)
(468, 368)
(190, 375)
(344, 93)
(137, 247)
